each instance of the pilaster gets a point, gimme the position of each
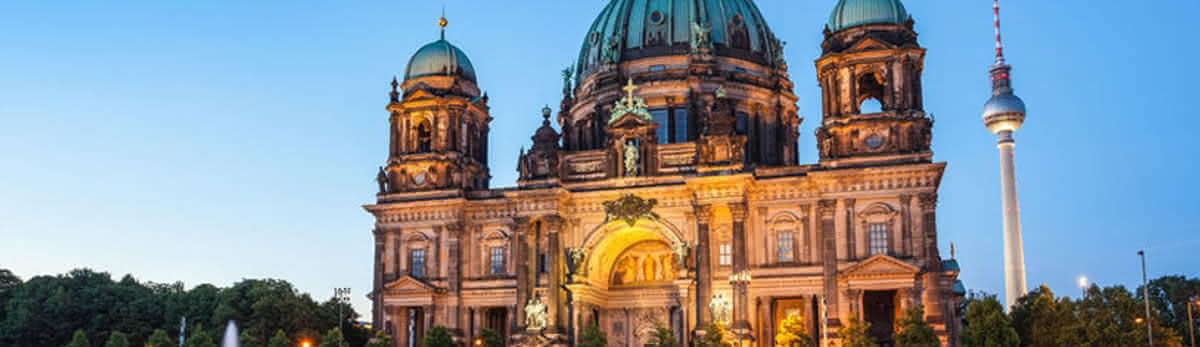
(827, 209)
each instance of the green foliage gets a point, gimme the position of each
(1169, 297)
(854, 333)
(714, 336)
(663, 337)
(987, 325)
(383, 340)
(914, 331)
(437, 336)
(79, 339)
(199, 339)
(333, 338)
(1042, 320)
(46, 310)
(491, 338)
(246, 339)
(117, 339)
(793, 333)
(1104, 317)
(593, 337)
(159, 339)
(280, 339)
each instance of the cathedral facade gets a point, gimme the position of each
(673, 194)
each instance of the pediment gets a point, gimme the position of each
(880, 264)
(631, 120)
(410, 284)
(419, 92)
(869, 43)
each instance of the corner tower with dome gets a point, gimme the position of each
(672, 192)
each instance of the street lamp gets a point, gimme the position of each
(478, 342)
(342, 297)
(306, 343)
(738, 280)
(1146, 295)
(1083, 282)
(1191, 326)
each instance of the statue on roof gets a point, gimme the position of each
(701, 38)
(630, 104)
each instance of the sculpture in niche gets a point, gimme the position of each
(647, 262)
(631, 159)
(535, 314)
(681, 253)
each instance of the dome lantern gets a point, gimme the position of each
(851, 13)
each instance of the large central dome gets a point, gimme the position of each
(649, 28)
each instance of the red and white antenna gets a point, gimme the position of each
(996, 20)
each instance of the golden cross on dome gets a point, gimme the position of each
(629, 89)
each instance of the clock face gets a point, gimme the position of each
(875, 141)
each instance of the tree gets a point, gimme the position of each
(491, 338)
(593, 337)
(793, 333)
(1109, 316)
(1169, 297)
(199, 339)
(383, 340)
(1041, 320)
(663, 337)
(79, 339)
(333, 339)
(987, 325)
(914, 331)
(854, 333)
(714, 336)
(437, 337)
(160, 339)
(246, 339)
(280, 339)
(117, 339)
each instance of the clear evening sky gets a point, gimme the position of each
(210, 141)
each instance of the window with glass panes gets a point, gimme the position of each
(416, 262)
(672, 125)
(784, 242)
(726, 257)
(497, 260)
(879, 238)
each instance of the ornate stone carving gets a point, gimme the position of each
(825, 208)
(681, 252)
(632, 159)
(928, 201)
(630, 208)
(630, 104)
(382, 179)
(535, 314)
(701, 41)
(719, 306)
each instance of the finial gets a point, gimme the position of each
(996, 20)
(951, 249)
(395, 94)
(629, 89)
(546, 112)
(442, 22)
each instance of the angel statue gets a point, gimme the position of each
(631, 159)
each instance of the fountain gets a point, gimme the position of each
(231, 335)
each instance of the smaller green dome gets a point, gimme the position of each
(851, 13)
(440, 58)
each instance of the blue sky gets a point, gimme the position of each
(220, 140)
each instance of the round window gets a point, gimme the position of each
(657, 17)
(875, 141)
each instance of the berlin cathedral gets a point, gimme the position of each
(672, 194)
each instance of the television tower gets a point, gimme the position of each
(1003, 115)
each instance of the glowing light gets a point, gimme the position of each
(1083, 281)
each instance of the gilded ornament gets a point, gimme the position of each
(630, 208)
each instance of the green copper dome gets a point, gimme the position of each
(851, 13)
(633, 29)
(440, 58)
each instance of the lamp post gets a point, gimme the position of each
(738, 280)
(341, 296)
(1191, 327)
(1146, 295)
(1083, 282)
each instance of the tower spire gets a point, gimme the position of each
(442, 22)
(996, 21)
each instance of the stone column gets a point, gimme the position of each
(826, 209)
(906, 225)
(377, 282)
(556, 315)
(521, 249)
(851, 237)
(740, 261)
(929, 224)
(703, 265)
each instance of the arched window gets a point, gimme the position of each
(870, 93)
(424, 137)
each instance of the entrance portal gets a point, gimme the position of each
(879, 308)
